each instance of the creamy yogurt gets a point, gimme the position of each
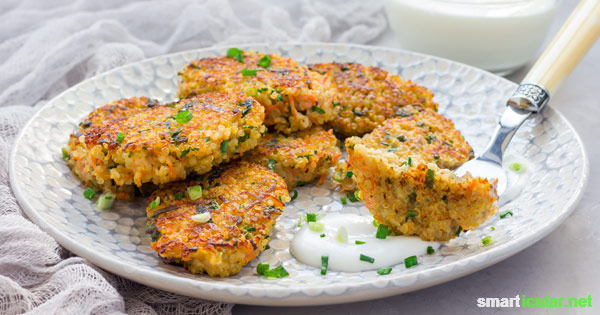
(308, 246)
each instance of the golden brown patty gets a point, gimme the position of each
(116, 110)
(166, 142)
(243, 199)
(366, 96)
(292, 96)
(299, 158)
(417, 198)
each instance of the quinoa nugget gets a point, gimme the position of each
(292, 95)
(165, 143)
(115, 111)
(244, 200)
(366, 96)
(417, 198)
(418, 133)
(299, 158)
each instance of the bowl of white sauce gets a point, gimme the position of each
(495, 35)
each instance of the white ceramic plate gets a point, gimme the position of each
(116, 240)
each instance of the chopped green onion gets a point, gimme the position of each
(429, 176)
(430, 250)
(201, 217)
(120, 137)
(338, 176)
(492, 228)
(322, 235)
(384, 271)
(183, 116)
(409, 161)
(410, 261)
(324, 264)
(250, 72)
(410, 214)
(459, 230)
(195, 192)
(311, 217)
(352, 197)
(155, 203)
(375, 224)
(179, 195)
(261, 269)
(89, 193)
(342, 235)
(316, 227)
(251, 92)
(278, 272)
(271, 164)
(517, 167)
(382, 231)
(318, 110)
(359, 242)
(248, 107)
(105, 201)
(265, 61)
(294, 196)
(367, 258)
(224, 145)
(486, 240)
(358, 195)
(504, 214)
(343, 200)
(349, 174)
(65, 153)
(235, 53)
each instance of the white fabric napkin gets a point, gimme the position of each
(46, 46)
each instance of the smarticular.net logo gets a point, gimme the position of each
(523, 300)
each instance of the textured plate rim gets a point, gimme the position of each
(353, 293)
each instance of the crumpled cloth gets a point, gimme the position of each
(46, 46)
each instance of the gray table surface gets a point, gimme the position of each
(563, 264)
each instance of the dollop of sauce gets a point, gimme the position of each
(308, 246)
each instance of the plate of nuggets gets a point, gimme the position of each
(194, 172)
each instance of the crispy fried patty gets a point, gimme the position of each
(116, 110)
(244, 200)
(299, 158)
(164, 143)
(417, 198)
(291, 94)
(366, 96)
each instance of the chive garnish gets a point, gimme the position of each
(382, 231)
(183, 116)
(324, 264)
(235, 53)
(224, 145)
(265, 61)
(179, 195)
(352, 197)
(343, 200)
(311, 217)
(294, 196)
(410, 214)
(271, 164)
(384, 271)
(105, 201)
(349, 174)
(430, 250)
(195, 192)
(375, 224)
(359, 242)
(410, 261)
(322, 235)
(517, 167)
(367, 258)
(409, 161)
(120, 137)
(429, 176)
(89, 193)
(261, 269)
(459, 230)
(486, 240)
(492, 228)
(65, 153)
(504, 214)
(318, 110)
(250, 72)
(155, 203)
(278, 272)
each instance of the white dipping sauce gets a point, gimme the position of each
(308, 246)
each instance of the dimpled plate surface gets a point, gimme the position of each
(116, 240)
